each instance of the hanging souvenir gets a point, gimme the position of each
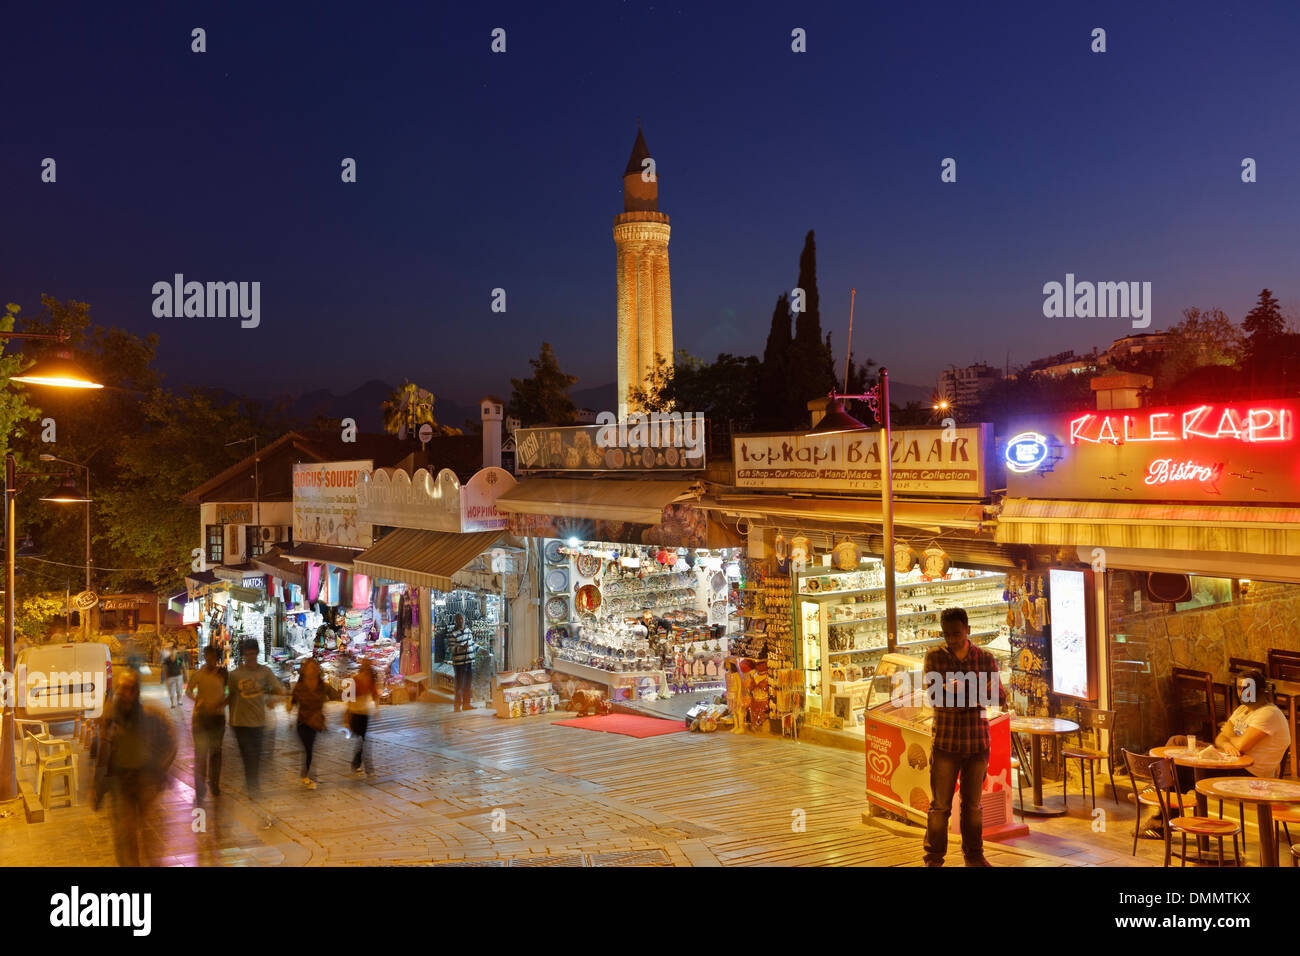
(904, 557)
(935, 562)
(846, 555)
(800, 552)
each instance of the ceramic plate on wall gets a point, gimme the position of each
(557, 579)
(588, 565)
(557, 608)
(552, 552)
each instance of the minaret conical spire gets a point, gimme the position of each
(638, 194)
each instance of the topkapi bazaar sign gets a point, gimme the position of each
(1204, 452)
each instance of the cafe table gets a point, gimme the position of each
(1261, 791)
(1203, 767)
(1042, 727)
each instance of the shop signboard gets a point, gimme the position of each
(1072, 671)
(392, 498)
(925, 461)
(681, 526)
(234, 514)
(325, 503)
(1211, 452)
(656, 442)
(478, 500)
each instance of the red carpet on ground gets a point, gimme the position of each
(629, 725)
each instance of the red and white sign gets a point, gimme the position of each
(1212, 451)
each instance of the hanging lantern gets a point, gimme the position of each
(935, 562)
(904, 557)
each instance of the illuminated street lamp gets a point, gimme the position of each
(57, 371)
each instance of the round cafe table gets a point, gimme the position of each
(1261, 791)
(1203, 767)
(1042, 727)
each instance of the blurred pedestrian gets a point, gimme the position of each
(360, 709)
(310, 693)
(173, 669)
(247, 686)
(207, 688)
(136, 748)
(461, 644)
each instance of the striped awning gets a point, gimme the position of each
(596, 499)
(1146, 525)
(425, 559)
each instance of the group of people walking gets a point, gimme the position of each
(137, 742)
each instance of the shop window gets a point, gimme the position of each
(256, 541)
(215, 543)
(1223, 618)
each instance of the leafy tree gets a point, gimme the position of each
(34, 613)
(410, 406)
(1009, 399)
(15, 409)
(725, 390)
(543, 398)
(1264, 323)
(1200, 339)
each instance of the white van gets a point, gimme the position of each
(63, 679)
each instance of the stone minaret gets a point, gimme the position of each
(645, 306)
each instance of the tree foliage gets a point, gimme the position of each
(410, 406)
(543, 397)
(724, 390)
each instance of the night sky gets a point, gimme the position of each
(478, 171)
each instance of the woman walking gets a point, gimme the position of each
(360, 709)
(310, 694)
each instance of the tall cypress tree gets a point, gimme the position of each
(1264, 323)
(774, 375)
(812, 372)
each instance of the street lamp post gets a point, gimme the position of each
(59, 371)
(68, 494)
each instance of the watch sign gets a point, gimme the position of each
(1205, 452)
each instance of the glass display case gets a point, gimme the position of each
(842, 632)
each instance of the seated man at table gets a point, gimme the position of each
(1258, 727)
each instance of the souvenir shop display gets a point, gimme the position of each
(524, 694)
(657, 617)
(1026, 618)
(841, 618)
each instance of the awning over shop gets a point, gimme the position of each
(323, 554)
(425, 559)
(1143, 525)
(275, 563)
(931, 516)
(200, 583)
(234, 572)
(597, 499)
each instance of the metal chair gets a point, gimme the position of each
(1088, 753)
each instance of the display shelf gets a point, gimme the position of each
(932, 585)
(910, 614)
(975, 636)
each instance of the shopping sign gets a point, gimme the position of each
(1205, 452)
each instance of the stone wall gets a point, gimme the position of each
(1202, 639)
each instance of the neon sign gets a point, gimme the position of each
(1162, 471)
(1215, 423)
(1026, 452)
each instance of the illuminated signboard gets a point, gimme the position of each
(1071, 649)
(1026, 452)
(1204, 452)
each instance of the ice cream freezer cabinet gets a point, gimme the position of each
(898, 742)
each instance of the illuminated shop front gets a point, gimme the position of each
(1186, 519)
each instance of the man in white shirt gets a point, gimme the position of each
(1258, 727)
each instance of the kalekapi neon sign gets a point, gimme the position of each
(1178, 433)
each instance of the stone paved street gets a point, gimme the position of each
(569, 797)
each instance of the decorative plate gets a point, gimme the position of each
(557, 608)
(588, 565)
(557, 579)
(557, 635)
(670, 456)
(588, 598)
(719, 581)
(552, 553)
(614, 458)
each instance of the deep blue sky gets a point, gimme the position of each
(479, 170)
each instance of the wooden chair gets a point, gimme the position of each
(1284, 814)
(1279, 658)
(1164, 780)
(1020, 784)
(1089, 752)
(1167, 801)
(1194, 701)
(1295, 855)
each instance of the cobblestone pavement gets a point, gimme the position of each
(471, 789)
